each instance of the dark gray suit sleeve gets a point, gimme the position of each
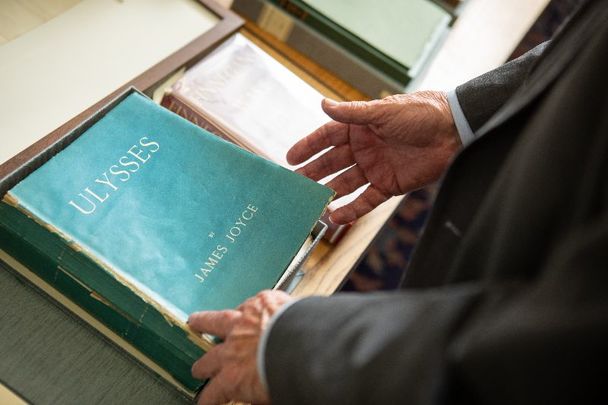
(363, 349)
(483, 96)
(515, 342)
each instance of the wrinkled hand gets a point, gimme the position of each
(231, 365)
(396, 144)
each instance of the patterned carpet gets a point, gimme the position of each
(387, 257)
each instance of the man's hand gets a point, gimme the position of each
(231, 365)
(396, 144)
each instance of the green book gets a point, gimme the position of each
(146, 218)
(329, 55)
(396, 37)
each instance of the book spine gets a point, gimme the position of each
(336, 33)
(149, 331)
(308, 42)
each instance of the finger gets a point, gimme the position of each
(217, 323)
(330, 162)
(330, 134)
(214, 393)
(269, 300)
(353, 112)
(248, 302)
(208, 365)
(348, 181)
(367, 201)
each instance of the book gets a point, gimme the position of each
(394, 37)
(251, 98)
(331, 56)
(243, 95)
(146, 218)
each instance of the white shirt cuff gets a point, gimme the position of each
(462, 124)
(264, 341)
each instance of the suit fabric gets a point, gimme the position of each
(506, 298)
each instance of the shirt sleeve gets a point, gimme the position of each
(465, 132)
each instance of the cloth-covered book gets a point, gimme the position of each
(396, 37)
(146, 218)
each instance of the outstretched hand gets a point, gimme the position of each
(396, 145)
(232, 365)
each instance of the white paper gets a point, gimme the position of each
(253, 96)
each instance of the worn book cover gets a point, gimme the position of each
(152, 218)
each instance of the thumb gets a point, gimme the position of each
(352, 112)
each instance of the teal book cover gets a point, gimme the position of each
(185, 220)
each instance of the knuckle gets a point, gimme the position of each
(303, 170)
(265, 294)
(393, 98)
(362, 106)
(248, 301)
(231, 316)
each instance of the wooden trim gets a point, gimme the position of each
(187, 56)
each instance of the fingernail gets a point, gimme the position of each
(330, 103)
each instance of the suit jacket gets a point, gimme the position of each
(506, 297)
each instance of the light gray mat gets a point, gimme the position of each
(50, 357)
